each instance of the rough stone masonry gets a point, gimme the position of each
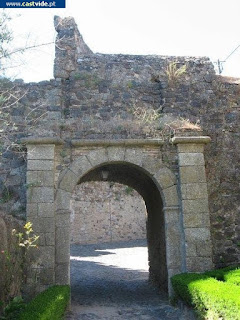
(172, 136)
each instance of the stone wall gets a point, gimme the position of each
(105, 212)
(97, 96)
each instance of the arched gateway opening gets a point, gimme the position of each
(138, 179)
(175, 194)
(154, 182)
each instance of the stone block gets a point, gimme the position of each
(204, 249)
(116, 154)
(193, 220)
(171, 216)
(46, 209)
(191, 249)
(134, 155)
(198, 264)
(62, 248)
(80, 166)
(63, 220)
(63, 200)
(165, 178)
(152, 164)
(40, 194)
(32, 210)
(191, 159)
(192, 174)
(50, 239)
(192, 191)
(62, 274)
(195, 206)
(40, 165)
(97, 157)
(40, 178)
(68, 181)
(47, 225)
(170, 196)
(40, 152)
(47, 276)
(190, 148)
(197, 234)
(47, 256)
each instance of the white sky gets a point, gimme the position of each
(163, 27)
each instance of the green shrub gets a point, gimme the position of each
(219, 274)
(212, 298)
(48, 305)
(232, 276)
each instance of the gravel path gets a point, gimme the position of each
(110, 281)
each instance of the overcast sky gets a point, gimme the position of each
(163, 27)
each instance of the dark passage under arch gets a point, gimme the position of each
(139, 180)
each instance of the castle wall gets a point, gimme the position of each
(97, 96)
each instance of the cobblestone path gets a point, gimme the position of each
(110, 281)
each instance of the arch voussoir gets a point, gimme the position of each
(80, 166)
(116, 153)
(97, 157)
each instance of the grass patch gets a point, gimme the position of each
(215, 294)
(48, 305)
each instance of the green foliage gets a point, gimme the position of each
(13, 309)
(48, 305)
(214, 294)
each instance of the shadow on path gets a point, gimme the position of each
(110, 281)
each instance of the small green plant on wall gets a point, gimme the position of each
(15, 264)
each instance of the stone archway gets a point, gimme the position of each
(157, 185)
(180, 193)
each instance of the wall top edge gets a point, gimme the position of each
(196, 140)
(119, 142)
(42, 140)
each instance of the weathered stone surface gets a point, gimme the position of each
(199, 264)
(134, 155)
(40, 179)
(50, 239)
(46, 209)
(98, 156)
(170, 196)
(62, 245)
(191, 159)
(192, 174)
(47, 276)
(195, 206)
(165, 178)
(190, 148)
(32, 210)
(152, 164)
(194, 220)
(115, 154)
(68, 181)
(40, 165)
(204, 249)
(197, 234)
(192, 191)
(40, 152)
(47, 256)
(62, 200)
(80, 166)
(40, 194)
(62, 273)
